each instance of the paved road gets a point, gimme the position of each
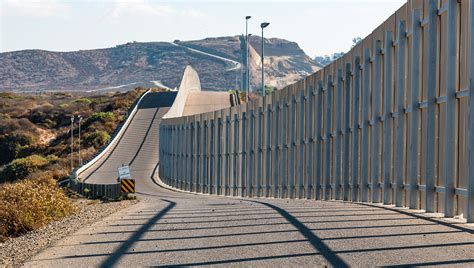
(169, 228)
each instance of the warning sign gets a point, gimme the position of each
(124, 172)
(127, 185)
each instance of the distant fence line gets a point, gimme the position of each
(386, 123)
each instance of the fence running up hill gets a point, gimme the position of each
(388, 122)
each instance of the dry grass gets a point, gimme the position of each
(29, 204)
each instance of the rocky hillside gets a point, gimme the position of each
(155, 63)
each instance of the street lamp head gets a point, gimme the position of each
(264, 24)
(247, 17)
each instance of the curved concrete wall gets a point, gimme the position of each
(192, 100)
(189, 83)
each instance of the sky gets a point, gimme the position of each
(320, 27)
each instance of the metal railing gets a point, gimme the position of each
(390, 122)
(92, 190)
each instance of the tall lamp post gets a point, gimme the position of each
(72, 142)
(263, 25)
(80, 119)
(247, 58)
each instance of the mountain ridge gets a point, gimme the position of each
(126, 66)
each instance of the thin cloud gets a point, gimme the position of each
(137, 8)
(35, 8)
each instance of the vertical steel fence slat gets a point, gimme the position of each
(259, 156)
(219, 158)
(187, 157)
(205, 157)
(175, 156)
(365, 127)
(309, 142)
(243, 153)
(250, 152)
(355, 130)
(199, 162)
(268, 132)
(387, 123)
(400, 117)
(284, 149)
(470, 177)
(234, 153)
(181, 157)
(192, 174)
(319, 141)
(291, 145)
(337, 138)
(276, 149)
(450, 127)
(300, 144)
(226, 173)
(431, 109)
(375, 137)
(415, 112)
(212, 157)
(347, 132)
(327, 165)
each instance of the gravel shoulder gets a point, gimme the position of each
(14, 252)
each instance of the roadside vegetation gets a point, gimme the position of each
(35, 150)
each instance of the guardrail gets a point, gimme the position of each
(114, 139)
(392, 121)
(91, 190)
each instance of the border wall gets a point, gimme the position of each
(386, 123)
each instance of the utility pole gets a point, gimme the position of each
(247, 70)
(72, 142)
(263, 25)
(80, 119)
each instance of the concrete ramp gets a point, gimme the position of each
(138, 146)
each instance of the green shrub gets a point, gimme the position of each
(100, 116)
(12, 144)
(52, 158)
(22, 167)
(97, 138)
(83, 100)
(7, 126)
(4, 116)
(29, 204)
(8, 95)
(48, 123)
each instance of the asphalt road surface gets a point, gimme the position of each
(169, 228)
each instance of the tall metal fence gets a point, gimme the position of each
(386, 123)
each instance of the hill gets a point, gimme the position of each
(136, 64)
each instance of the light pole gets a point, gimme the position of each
(247, 72)
(80, 119)
(72, 142)
(263, 25)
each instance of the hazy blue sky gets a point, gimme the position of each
(320, 27)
